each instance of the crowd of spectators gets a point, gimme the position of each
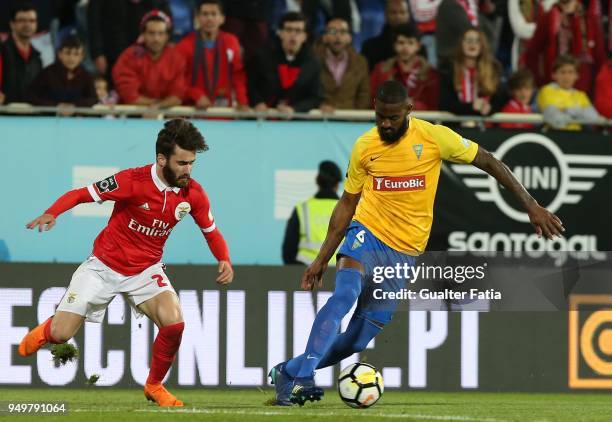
(468, 57)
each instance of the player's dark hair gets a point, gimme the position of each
(391, 92)
(217, 3)
(520, 79)
(71, 41)
(291, 17)
(179, 132)
(21, 6)
(406, 30)
(565, 59)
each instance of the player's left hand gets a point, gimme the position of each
(226, 273)
(545, 222)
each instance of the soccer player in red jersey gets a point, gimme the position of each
(149, 202)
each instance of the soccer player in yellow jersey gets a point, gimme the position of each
(385, 215)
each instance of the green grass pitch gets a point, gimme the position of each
(107, 404)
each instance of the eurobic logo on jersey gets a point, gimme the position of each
(558, 180)
(399, 183)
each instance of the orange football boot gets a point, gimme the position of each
(33, 341)
(161, 396)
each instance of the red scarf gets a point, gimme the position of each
(409, 79)
(469, 86)
(471, 9)
(576, 38)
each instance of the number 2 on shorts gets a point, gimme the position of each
(160, 280)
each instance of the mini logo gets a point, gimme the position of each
(375, 158)
(465, 142)
(562, 179)
(182, 210)
(71, 297)
(418, 150)
(310, 357)
(145, 206)
(401, 183)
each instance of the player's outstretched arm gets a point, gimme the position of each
(67, 201)
(544, 222)
(339, 221)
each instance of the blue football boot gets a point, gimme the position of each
(283, 383)
(304, 389)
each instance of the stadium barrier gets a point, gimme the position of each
(234, 335)
(256, 171)
(128, 110)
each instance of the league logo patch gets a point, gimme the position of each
(182, 210)
(107, 185)
(71, 297)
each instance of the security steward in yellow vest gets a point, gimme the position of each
(307, 226)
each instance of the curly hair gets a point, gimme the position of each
(487, 68)
(179, 132)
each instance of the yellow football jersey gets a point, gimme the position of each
(398, 182)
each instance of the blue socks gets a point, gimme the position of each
(327, 322)
(355, 339)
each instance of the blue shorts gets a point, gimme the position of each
(361, 245)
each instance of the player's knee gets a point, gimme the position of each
(171, 316)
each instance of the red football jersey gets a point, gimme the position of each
(145, 212)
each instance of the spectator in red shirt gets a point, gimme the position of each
(603, 90)
(521, 88)
(214, 71)
(567, 28)
(409, 68)
(65, 82)
(151, 73)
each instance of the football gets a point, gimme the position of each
(360, 385)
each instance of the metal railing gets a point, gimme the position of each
(125, 111)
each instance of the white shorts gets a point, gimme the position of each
(94, 286)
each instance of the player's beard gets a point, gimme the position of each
(172, 179)
(389, 138)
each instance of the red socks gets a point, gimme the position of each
(47, 332)
(165, 347)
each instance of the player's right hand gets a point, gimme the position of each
(313, 276)
(44, 222)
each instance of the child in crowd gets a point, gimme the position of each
(560, 102)
(521, 87)
(65, 82)
(105, 96)
(409, 68)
